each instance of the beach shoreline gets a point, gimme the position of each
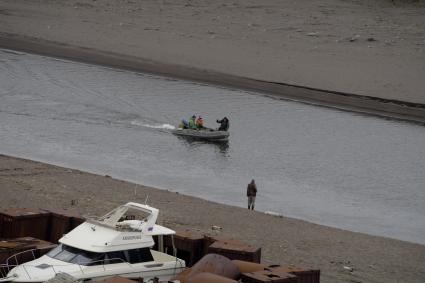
(387, 108)
(351, 55)
(283, 240)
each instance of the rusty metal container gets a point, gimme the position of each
(189, 245)
(23, 222)
(238, 250)
(11, 247)
(60, 223)
(304, 275)
(206, 277)
(76, 221)
(211, 239)
(269, 277)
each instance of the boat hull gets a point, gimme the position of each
(164, 271)
(207, 134)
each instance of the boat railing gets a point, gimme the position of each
(5, 268)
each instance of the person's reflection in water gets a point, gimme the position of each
(223, 146)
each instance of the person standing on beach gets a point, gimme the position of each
(251, 193)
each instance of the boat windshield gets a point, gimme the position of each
(73, 255)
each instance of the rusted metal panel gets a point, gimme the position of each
(23, 222)
(304, 275)
(269, 277)
(60, 223)
(211, 239)
(189, 245)
(76, 221)
(238, 250)
(11, 247)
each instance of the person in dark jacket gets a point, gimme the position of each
(251, 193)
(224, 124)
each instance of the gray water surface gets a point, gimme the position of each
(322, 165)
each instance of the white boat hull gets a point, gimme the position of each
(31, 272)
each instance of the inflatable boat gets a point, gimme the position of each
(202, 134)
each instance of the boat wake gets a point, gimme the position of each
(153, 126)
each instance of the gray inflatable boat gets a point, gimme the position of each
(203, 134)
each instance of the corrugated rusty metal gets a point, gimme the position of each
(60, 223)
(76, 221)
(269, 277)
(189, 245)
(238, 250)
(304, 275)
(23, 222)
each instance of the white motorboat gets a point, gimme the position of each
(117, 244)
(202, 134)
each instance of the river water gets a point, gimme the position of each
(326, 166)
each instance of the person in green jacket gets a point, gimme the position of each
(192, 122)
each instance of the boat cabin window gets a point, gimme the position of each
(139, 255)
(115, 257)
(131, 256)
(77, 256)
(82, 257)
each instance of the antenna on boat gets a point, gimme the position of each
(146, 200)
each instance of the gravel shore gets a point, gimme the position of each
(25, 183)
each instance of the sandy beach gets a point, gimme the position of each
(367, 56)
(25, 183)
